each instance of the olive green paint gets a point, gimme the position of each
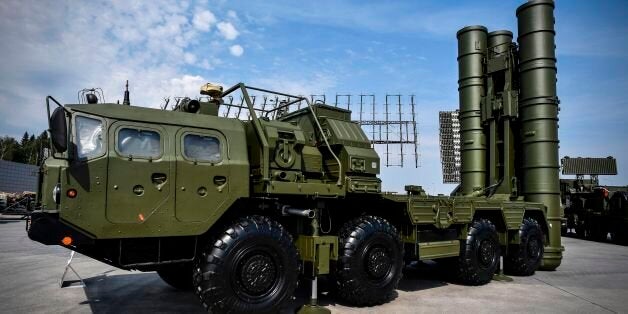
(471, 88)
(319, 251)
(107, 207)
(318, 154)
(538, 105)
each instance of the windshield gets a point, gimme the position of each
(89, 137)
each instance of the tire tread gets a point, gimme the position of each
(349, 287)
(210, 269)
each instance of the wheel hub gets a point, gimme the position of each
(257, 274)
(487, 253)
(378, 263)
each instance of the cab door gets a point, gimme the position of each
(138, 172)
(202, 174)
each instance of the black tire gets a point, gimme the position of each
(370, 261)
(620, 234)
(251, 267)
(524, 259)
(597, 231)
(479, 254)
(579, 227)
(177, 275)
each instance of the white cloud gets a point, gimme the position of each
(236, 50)
(204, 20)
(185, 86)
(232, 14)
(227, 30)
(206, 65)
(57, 48)
(189, 58)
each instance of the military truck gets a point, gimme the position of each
(592, 210)
(618, 216)
(240, 211)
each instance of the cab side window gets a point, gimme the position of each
(201, 148)
(139, 143)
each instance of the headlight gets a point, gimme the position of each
(89, 137)
(56, 193)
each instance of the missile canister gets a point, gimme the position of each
(471, 52)
(499, 41)
(538, 113)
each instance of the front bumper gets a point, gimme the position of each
(48, 229)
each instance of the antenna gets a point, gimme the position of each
(126, 101)
(397, 129)
(594, 167)
(449, 140)
(391, 127)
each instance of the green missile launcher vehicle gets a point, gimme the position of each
(239, 211)
(592, 210)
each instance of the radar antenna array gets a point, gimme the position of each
(449, 139)
(393, 131)
(391, 126)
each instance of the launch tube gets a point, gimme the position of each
(538, 112)
(471, 88)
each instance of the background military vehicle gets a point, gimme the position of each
(16, 203)
(238, 210)
(3, 201)
(593, 211)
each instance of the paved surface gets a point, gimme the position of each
(592, 279)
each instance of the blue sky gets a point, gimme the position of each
(313, 47)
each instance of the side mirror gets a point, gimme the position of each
(59, 130)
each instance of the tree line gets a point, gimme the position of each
(29, 150)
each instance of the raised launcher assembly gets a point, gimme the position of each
(508, 117)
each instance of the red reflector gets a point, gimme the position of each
(71, 193)
(66, 241)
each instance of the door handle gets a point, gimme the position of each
(159, 179)
(220, 180)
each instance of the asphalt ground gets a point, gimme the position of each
(592, 279)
